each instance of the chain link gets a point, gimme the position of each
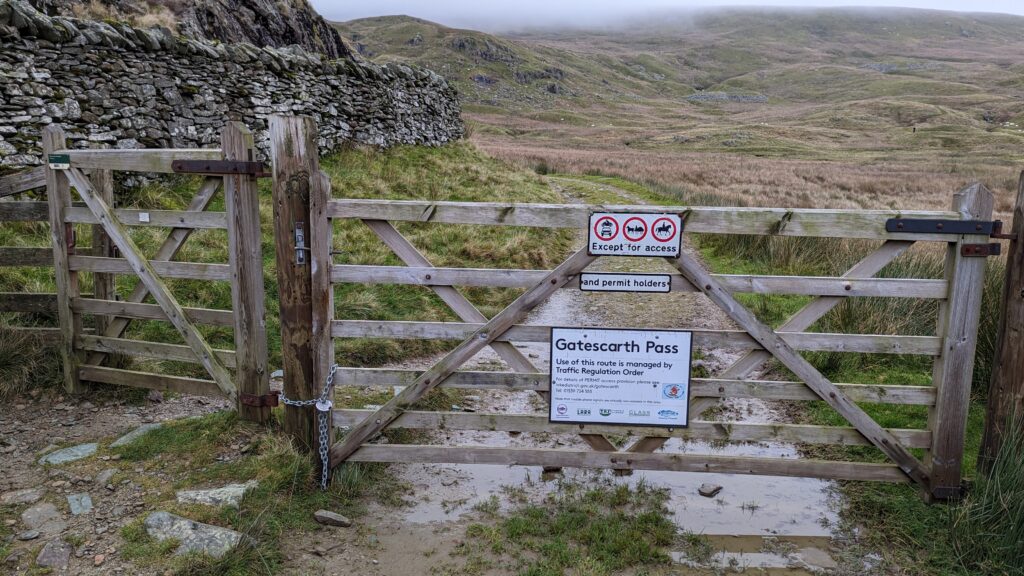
(323, 411)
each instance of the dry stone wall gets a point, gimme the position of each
(111, 85)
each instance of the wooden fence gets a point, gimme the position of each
(304, 216)
(85, 353)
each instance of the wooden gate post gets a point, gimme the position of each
(102, 283)
(300, 198)
(1006, 391)
(58, 195)
(958, 327)
(245, 256)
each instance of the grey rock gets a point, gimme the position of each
(55, 554)
(229, 495)
(103, 478)
(44, 517)
(69, 454)
(709, 490)
(23, 496)
(28, 535)
(193, 536)
(80, 503)
(329, 518)
(134, 435)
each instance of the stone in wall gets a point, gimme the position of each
(111, 85)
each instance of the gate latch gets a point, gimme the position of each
(300, 244)
(270, 399)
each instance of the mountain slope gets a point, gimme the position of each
(821, 83)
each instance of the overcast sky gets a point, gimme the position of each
(496, 14)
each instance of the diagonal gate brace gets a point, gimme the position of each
(823, 387)
(144, 270)
(373, 424)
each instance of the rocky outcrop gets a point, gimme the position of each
(276, 23)
(118, 86)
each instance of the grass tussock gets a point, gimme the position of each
(579, 530)
(26, 364)
(988, 526)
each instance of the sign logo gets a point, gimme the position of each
(664, 229)
(639, 234)
(673, 391)
(583, 411)
(59, 161)
(635, 229)
(606, 228)
(668, 414)
(605, 412)
(562, 409)
(642, 413)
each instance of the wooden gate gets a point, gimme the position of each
(953, 346)
(116, 253)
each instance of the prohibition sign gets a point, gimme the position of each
(664, 232)
(629, 229)
(606, 232)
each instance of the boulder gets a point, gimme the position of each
(69, 454)
(229, 495)
(193, 536)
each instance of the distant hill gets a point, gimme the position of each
(503, 72)
(788, 82)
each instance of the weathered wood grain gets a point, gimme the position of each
(158, 350)
(138, 311)
(696, 430)
(164, 383)
(188, 270)
(954, 368)
(139, 160)
(833, 470)
(58, 193)
(810, 341)
(791, 359)
(720, 220)
(23, 181)
(507, 278)
(1006, 391)
(145, 271)
(699, 387)
(245, 259)
(156, 218)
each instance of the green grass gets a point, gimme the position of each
(188, 451)
(455, 172)
(605, 529)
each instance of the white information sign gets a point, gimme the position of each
(615, 376)
(624, 234)
(614, 282)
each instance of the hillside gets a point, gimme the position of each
(826, 84)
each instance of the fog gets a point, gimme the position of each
(493, 15)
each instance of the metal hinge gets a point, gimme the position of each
(981, 250)
(270, 399)
(997, 232)
(923, 226)
(221, 168)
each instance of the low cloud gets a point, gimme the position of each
(527, 13)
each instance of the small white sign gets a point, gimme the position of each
(634, 234)
(630, 377)
(143, 216)
(612, 282)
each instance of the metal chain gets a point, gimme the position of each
(323, 412)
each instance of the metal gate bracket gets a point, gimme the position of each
(921, 226)
(980, 250)
(220, 168)
(270, 399)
